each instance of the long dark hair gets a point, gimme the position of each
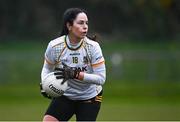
(68, 17)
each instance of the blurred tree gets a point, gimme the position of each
(120, 18)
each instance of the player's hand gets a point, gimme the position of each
(59, 73)
(70, 72)
(43, 93)
(66, 72)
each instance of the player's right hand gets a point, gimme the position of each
(59, 73)
(66, 72)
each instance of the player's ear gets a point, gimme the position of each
(69, 26)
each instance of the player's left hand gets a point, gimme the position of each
(66, 72)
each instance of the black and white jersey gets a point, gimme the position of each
(86, 56)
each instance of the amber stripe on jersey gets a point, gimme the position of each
(98, 64)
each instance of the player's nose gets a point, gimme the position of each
(85, 26)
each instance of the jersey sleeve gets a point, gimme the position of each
(98, 65)
(49, 61)
(97, 56)
(49, 55)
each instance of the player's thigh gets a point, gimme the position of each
(61, 108)
(87, 111)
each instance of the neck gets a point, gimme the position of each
(73, 39)
(73, 46)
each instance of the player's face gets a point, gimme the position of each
(80, 26)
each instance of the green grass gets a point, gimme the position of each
(23, 102)
(131, 112)
(111, 112)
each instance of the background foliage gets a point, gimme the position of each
(121, 18)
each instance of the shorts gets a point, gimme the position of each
(63, 108)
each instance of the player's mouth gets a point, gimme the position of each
(84, 33)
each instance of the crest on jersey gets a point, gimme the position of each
(85, 60)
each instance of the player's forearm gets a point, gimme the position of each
(98, 79)
(46, 69)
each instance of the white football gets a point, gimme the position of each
(53, 86)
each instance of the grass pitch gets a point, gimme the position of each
(24, 103)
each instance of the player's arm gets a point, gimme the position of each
(48, 67)
(99, 70)
(97, 77)
(49, 62)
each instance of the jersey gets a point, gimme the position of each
(86, 56)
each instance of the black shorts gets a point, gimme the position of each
(63, 108)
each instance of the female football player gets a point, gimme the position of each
(80, 62)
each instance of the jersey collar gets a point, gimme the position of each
(71, 46)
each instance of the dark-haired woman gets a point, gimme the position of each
(80, 61)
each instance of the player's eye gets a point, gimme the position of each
(81, 22)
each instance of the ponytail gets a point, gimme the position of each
(95, 37)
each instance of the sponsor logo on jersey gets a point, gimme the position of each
(74, 54)
(85, 60)
(81, 68)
